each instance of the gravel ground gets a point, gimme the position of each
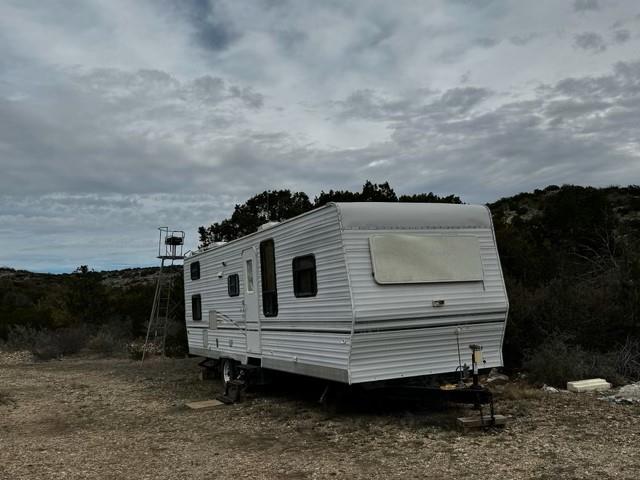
(83, 418)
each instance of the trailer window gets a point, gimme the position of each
(304, 276)
(249, 275)
(195, 271)
(398, 258)
(268, 272)
(196, 307)
(233, 285)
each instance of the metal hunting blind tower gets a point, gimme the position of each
(170, 245)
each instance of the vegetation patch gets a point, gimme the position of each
(570, 257)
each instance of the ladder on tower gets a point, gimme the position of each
(163, 308)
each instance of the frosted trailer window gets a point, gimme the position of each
(398, 258)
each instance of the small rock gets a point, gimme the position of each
(549, 389)
(629, 393)
(497, 378)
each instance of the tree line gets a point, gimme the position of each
(279, 205)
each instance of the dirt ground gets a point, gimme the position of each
(83, 418)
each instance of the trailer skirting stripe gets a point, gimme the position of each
(365, 330)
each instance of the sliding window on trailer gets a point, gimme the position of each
(400, 258)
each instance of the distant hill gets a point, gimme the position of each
(571, 258)
(116, 278)
(623, 201)
(44, 300)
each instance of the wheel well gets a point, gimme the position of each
(254, 361)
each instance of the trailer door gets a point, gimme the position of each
(250, 301)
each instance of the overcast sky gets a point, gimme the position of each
(117, 116)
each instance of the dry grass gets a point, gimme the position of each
(519, 391)
(5, 399)
(114, 418)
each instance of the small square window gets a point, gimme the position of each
(196, 307)
(233, 285)
(304, 276)
(195, 271)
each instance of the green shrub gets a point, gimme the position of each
(20, 337)
(46, 347)
(176, 344)
(103, 343)
(57, 343)
(627, 359)
(71, 340)
(137, 347)
(111, 338)
(556, 362)
(47, 344)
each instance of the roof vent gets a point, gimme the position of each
(266, 226)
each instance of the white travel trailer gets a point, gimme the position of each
(352, 292)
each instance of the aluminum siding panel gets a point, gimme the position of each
(310, 328)
(324, 349)
(391, 338)
(230, 342)
(410, 305)
(406, 353)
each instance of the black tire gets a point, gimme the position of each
(228, 371)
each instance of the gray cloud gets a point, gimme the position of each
(371, 105)
(586, 5)
(248, 96)
(143, 139)
(564, 133)
(211, 28)
(121, 229)
(574, 108)
(463, 99)
(521, 40)
(476, 3)
(590, 41)
(124, 116)
(621, 36)
(487, 42)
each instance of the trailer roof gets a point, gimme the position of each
(392, 215)
(378, 215)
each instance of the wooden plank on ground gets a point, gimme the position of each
(466, 423)
(204, 404)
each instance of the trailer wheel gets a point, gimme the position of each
(228, 371)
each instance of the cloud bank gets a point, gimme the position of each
(122, 117)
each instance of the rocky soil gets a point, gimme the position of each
(84, 418)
